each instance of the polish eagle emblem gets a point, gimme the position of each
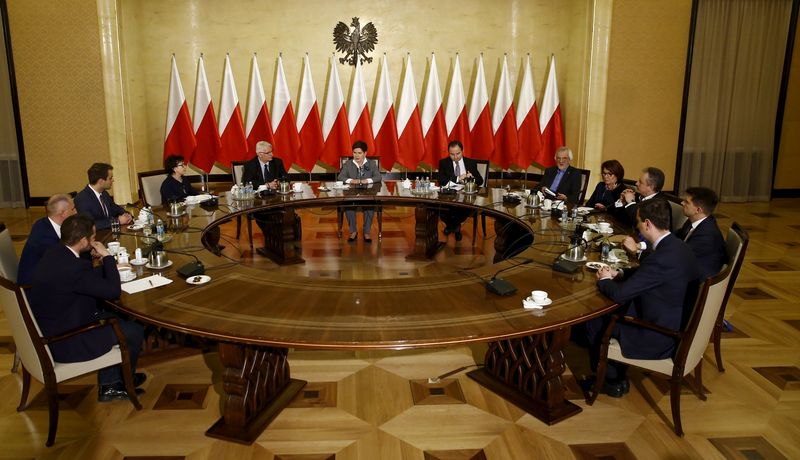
(355, 42)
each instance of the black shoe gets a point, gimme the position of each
(448, 230)
(139, 378)
(352, 237)
(615, 389)
(107, 393)
(367, 239)
(458, 235)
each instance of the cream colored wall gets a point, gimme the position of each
(56, 49)
(647, 59)
(786, 176)
(152, 30)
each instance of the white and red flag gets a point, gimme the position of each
(550, 120)
(409, 124)
(308, 123)
(384, 123)
(257, 122)
(455, 113)
(480, 119)
(231, 127)
(209, 145)
(434, 129)
(287, 139)
(358, 112)
(504, 123)
(528, 132)
(178, 137)
(335, 130)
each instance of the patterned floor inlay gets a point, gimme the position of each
(774, 266)
(735, 333)
(753, 228)
(460, 454)
(447, 391)
(752, 293)
(783, 377)
(661, 382)
(765, 215)
(316, 394)
(69, 397)
(6, 345)
(796, 227)
(333, 235)
(332, 274)
(176, 396)
(393, 233)
(610, 451)
(157, 457)
(306, 457)
(746, 448)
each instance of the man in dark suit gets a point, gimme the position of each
(95, 202)
(65, 295)
(701, 231)
(562, 181)
(45, 233)
(648, 187)
(657, 291)
(264, 168)
(457, 168)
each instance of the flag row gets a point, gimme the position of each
(506, 134)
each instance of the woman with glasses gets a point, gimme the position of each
(175, 187)
(608, 191)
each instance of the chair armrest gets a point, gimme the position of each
(77, 331)
(653, 327)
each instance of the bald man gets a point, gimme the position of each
(46, 232)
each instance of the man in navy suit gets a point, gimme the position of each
(264, 168)
(648, 187)
(657, 291)
(65, 295)
(562, 180)
(94, 200)
(456, 168)
(45, 233)
(701, 231)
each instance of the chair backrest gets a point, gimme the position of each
(375, 160)
(736, 245)
(8, 257)
(237, 170)
(678, 218)
(585, 173)
(150, 187)
(35, 356)
(483, 168)
(701, 324)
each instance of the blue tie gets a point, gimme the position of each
(557, 180)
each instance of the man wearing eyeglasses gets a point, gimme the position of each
(264, 168)
(562, 181)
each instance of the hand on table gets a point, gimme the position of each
(125, 218)
(630, 245)
(606, 273)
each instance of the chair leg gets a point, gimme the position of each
(339, 221)
(52, 403)
(238, 226)
(250, 231)
(26, 388)
(380, 222)
(483, 224)
(475, 229)
(717, 339)
(599, 378)
(698, 380)
(15, 365)
(675, 404)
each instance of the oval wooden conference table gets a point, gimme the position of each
(258, 314)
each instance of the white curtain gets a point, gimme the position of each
(737, 64)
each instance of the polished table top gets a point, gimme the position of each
(273, 307)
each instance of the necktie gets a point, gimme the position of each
(103, 206)
(689, 233)
(557, 180)
(458, 170)
(266, 172)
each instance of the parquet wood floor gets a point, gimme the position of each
(378, 405)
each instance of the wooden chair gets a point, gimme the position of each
(691, 344)
(678, 218)
(150, 187)
(585, 173)
(375, 160)
(37, 361)
(8, 270)
(483, 169)
(237, 171)
(736, 244)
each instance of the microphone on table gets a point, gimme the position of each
(500, 286)
(192, 268)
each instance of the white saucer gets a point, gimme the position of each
(198, 280)
(324, 189)
(582, 259)
(595, 265)
(469, 193)
(141, 261)
(134, 227)
(605, 232)
(130, 278)
(528, 303)
(169, 264)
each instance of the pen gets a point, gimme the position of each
(151, 282)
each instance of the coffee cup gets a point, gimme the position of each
(538, 296)
(547, 204)
(604, 226)
(113, 247)
(339, 184)
(125, 272)
(297, 187)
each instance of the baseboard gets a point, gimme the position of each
(786, 193)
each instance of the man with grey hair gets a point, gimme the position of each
(45, 233)
(648, 187)
(562, 181)
(264, 169)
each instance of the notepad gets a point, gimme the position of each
(144, 284)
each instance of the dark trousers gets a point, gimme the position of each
(453, 218)
(134, 337)
(594, 336)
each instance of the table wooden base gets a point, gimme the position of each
(426, 233)
(280, 236)
(527, 372)
(257, 386)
